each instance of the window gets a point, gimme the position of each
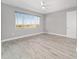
(26, 21)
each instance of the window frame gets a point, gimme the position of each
(23, 20)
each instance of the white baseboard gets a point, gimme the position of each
(14, 38)
(57, 34)
(60, 35)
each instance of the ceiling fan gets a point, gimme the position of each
(43, 5)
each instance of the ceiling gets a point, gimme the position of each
(35, 5)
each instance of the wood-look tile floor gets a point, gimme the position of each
(43, 46)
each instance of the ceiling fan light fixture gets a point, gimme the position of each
(43, 7)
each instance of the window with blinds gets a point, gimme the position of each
(24, 21)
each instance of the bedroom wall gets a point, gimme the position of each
(8, 29)
(56, 23)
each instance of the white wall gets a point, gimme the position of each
(56, 23)
(8, 29)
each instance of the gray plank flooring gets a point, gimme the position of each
(43, 46)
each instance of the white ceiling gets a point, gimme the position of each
(35, 5)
